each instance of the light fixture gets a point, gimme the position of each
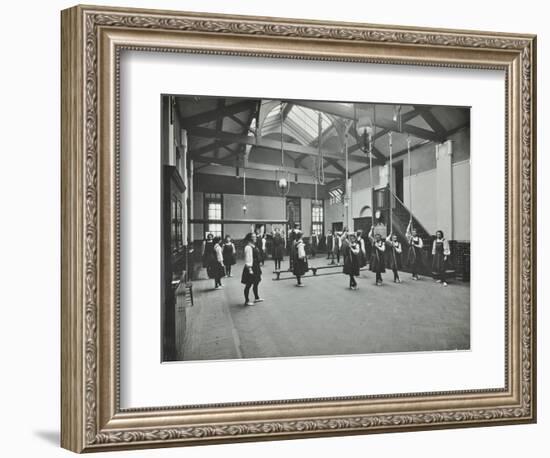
(364, 127)
(282, 177)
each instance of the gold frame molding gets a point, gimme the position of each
(92, 39)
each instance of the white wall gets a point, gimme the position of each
(29, 329)
(461, 200)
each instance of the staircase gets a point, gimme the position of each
(401, 217)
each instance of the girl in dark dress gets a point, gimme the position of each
(415, 251)
(352, 252)
(329, 243)
(215, 269)
(208, 251)
(362, 249)
(262, 246)
(314, 244)
(278, 248)
(229, 255)
(252, 272)
(441, 252)
(395, 256)
(377, 263)
(299, 266)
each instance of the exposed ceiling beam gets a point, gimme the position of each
(432, 121)
(412, 130)
(335, 164)
(234, 162)
(348, 112)
(230, 137)
(212, 115)
(211, 147)
(219, 123)
(241, 123)
(333, 108)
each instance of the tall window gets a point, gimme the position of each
(317, 217)
(213, 204)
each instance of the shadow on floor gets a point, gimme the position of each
(52, 437)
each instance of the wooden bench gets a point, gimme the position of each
(312, 269)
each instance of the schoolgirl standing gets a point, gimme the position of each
(208, 251)
(292, 238)
(299, 266)
(337, 247)
(395, 256)
(362, 249)
(216, 269)
(229, 255)
(314, 244)
(415, 251)
(352, 252)
(377, 263)
(261, 242)
(278, 248)
(441, 252)
(252, 272)
(329, 243)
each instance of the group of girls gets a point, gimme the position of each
(440, 251)
(218, 256)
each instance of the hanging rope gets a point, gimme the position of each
(390, 134)
(320, 160)
(372, 139)
(282, 147)
(410, 176)
(244, 188)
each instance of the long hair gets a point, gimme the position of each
(248, 237)
(439, 231)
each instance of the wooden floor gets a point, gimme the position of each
(324, 317)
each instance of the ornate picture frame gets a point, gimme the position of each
(92, 40)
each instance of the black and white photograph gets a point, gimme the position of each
(294, 228)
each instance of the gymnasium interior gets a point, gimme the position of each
(231, 166)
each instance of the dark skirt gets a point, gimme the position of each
(208, 257)
(278, 252)
(215, 270)
(300, 266)
(352, 264)
(229, 258)
(394, 260)
(439, 265)
(377, 263)
(414, 258)
(248, 278)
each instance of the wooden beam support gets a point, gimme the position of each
(230, 161)
(412, 130)
(212, 115)
(271, 144)
(219, 124)
(432, 121)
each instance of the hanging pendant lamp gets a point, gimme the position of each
(282, 177)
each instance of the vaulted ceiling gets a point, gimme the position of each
(221, 130)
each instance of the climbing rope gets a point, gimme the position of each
(390, 135)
